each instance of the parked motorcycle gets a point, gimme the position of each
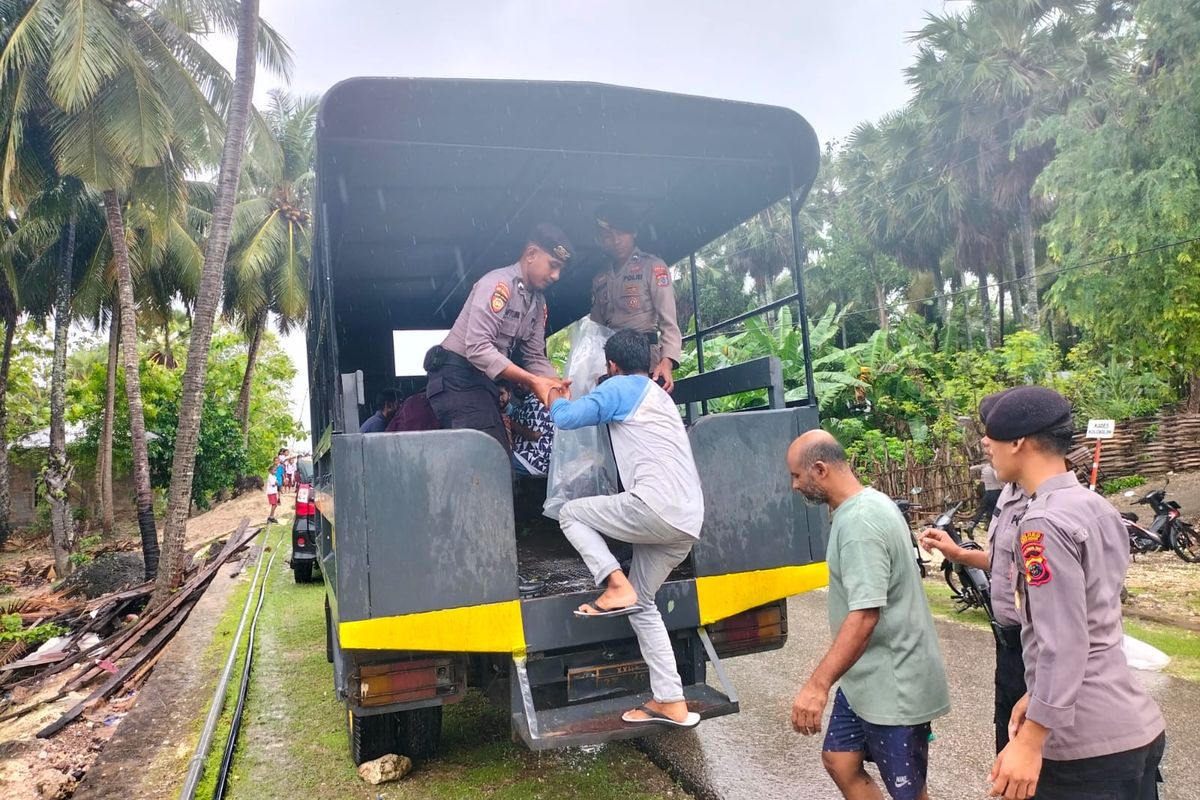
(970, 586)
(1166, 532)
(907, 508)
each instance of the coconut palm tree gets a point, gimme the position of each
(118, 87)
(208, 298)
(985, 78)
(271, 243)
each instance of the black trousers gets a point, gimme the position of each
(463, 397)
(1132, 775)
(987, 507)
(1010, 687)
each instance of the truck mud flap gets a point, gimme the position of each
(600, 720)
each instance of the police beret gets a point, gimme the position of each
(617, 217)
(987, 403)
(551, 239)
(1027, 410)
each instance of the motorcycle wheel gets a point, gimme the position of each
(953, 582)
(1186, 542)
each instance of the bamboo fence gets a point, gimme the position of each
(1145, 446)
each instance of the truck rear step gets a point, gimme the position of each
(600, 720)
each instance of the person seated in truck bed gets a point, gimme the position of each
(505, 312)
(533, 435)
(660, 513)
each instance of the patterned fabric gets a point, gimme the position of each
(536, 455)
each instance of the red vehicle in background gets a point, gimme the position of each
(304, 526)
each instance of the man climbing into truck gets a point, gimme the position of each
(660, 513)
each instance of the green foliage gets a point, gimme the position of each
(220, 453)
(1121, 484)
(11, 630)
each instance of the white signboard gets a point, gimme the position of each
(1101, 428)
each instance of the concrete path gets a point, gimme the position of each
(755, 755)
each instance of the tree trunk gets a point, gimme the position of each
(881, 304)
(985, 305)
(191, 401)
(10, 329)
(1032, 312)
(57, 475)
(243, 406)
(1011, 280)
(107, 513)
(939, 291)
(133, 383)
(1193, 401)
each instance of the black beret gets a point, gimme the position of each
(986, 404)
(551, 239)
(1027, 410)
(616, 217)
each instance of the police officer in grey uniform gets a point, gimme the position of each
(635, 292)
(1085, 728)
(997, 560)
(505, 312)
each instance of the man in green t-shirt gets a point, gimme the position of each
(885, 650)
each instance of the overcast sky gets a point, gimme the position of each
(837, 63)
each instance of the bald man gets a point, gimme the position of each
(885, 651)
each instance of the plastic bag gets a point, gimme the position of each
(582, 462)
(1140, 655)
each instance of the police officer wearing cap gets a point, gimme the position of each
(1085, 727)
(635, 292)
(505, 312)
(997, 560)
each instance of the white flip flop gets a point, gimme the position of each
(655, 718)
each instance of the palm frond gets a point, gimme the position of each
(88, 51)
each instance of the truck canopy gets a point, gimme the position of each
(426, 184)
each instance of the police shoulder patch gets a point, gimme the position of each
(500, 296)
(1033, 555)
(662, 276)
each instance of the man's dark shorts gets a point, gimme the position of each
(900, 751)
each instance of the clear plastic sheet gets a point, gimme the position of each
(582, 462)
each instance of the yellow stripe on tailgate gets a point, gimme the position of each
(490, 628)
(722, 596)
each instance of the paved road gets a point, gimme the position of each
(755, 755)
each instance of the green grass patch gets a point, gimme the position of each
(941, 603)
(293, 741)
(214, 658)
(1182, 646)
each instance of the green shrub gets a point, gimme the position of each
(11, 630)
(1121, 484)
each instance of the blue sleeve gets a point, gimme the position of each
(611, 401)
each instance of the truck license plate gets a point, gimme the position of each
(588, 683)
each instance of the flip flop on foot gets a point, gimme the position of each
(597, 611)
(655, 718)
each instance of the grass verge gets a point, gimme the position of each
(1182, 646)
(293, 741)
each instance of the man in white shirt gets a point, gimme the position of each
(660, 512)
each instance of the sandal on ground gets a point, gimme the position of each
(607, 612)
(655, 718)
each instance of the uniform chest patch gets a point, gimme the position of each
(662, 276)
(633, 302)
(1033, 555)
(512, 313)
(632, 289)
(500, 296)
(633, 277)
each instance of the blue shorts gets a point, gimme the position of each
(900, 751)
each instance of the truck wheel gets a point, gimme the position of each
(303, 571)
(328, 632)
(418, 732)
(370, 737)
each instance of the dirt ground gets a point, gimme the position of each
(32, 769)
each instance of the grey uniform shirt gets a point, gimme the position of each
(1002, 536)
(501, 315)
(1073, 553)
(639, 296)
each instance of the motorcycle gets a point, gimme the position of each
(907, 507)
(970, 586)
(1167, 532)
